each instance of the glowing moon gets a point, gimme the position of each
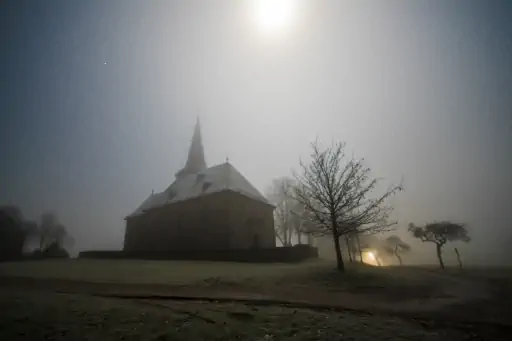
(273, 16)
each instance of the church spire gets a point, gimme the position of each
(195, 162)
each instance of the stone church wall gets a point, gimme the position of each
(251, 223)
(220, 221)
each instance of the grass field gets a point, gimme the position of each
(384, 302)
(147, 272)
(317, 279)
(73, 317)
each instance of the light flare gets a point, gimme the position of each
(371, 258)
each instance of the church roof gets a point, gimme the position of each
(195, 180)
(223, 177)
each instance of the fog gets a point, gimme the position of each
(98, 102)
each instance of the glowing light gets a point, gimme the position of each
(371, 258)
(273, 16)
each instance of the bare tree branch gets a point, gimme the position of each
(281, 195)
(337, 192)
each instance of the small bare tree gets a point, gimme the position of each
(51, 231)
(15, 231)
(302, 222)
(297, 222)
(281, 195)
(440, 233)
(337, 191)
(395, 246)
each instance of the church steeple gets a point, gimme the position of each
(195, 162)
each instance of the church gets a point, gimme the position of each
(213, 208)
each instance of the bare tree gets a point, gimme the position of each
(298, 221)
(51, 232)
(281, 195)
(302, 222)
(440, 233)
(15, 230)
(354, 244)
(395, 246)
(338, 192)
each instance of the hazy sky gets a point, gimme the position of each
(98, 100)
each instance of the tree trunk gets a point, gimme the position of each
(339, 257)
(458, 258)
(284, 229)
(398, 255)
(399, 258)
(440, 256)
(337, 248)
(353, 246)
(299, 236)
(290, 235)
(359, 248)
(278, 235)
(349, 249)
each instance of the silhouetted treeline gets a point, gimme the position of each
(16, 233)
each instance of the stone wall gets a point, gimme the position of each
(224, 220)
(251, 223)
(270, 255)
